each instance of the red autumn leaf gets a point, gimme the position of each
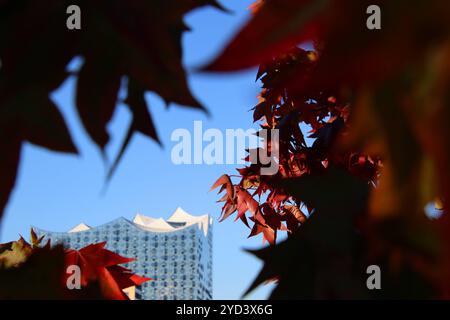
(269, 234)
(125, 278)
(100, 265)
(225, 182)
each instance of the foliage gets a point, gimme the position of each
(33, 271)
(327, 118)
(136, 41)
(378, 106)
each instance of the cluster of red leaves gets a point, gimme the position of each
(137, 41)
(279, 108)
(396, 81)
(395, 78)
(33, 271)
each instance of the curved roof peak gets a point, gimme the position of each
(80, 227)
(180, 216)
(143, 220)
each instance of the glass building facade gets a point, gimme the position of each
(176, 253)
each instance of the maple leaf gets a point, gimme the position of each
(225, 182)
(101, 266)
(138, 42)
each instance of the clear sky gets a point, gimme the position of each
(58, 191)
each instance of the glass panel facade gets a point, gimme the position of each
(179, 260)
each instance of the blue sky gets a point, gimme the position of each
(57, 191)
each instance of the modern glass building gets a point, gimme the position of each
(176, 253)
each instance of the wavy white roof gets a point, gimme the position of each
(182, 216)
(178, 217)
(154, 224)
